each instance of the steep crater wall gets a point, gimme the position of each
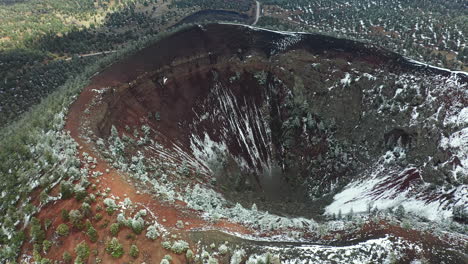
(281, 120)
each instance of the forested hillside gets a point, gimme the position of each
(432, 31)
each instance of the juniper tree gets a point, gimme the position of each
(62, 230)
(134, 251)
(400, 211)
(114, 248)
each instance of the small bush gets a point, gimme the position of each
(110, 210)
(66, 190)
(98, 217)
(81, 195)
(86, 209)
(138, 225)
(65, 215)
(223, 249)
(67, 258)
(76, 218)
(114, 229)
(166, 244)
(134, 251)
(152, 232)
(400, 211)
(92, 234)
(45, 261)
(189, 254)
(37, 256)
(62, 230)
(82, 251)
(46, 245)
(47, 224)
(114, 248)
(37, 234)
(179, 247)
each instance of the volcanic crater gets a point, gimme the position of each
(280, 120)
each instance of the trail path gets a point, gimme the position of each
(257, 13)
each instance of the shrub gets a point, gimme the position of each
(46, 245)
(400, 211)
(114, 229)
(166, 244)
(66, 190)
(86, 209)
(45, 261)
(92, 234)
(459, 213)
(114, 248)
(111, 206)
(37, 256)
(98, 217)
(110, 210)
(189, 254)
(79, 260)
(179, 247)
(152, 232)
(67, 258)
(81, 195)
(37, 234)
(82, 251)
(212, 260)
(223, 249)
(76, 218)
(239, 255)
(138, 225)
(134, 251)
(47, 224)
(87, 224)
(65, 215)
(62, 230)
